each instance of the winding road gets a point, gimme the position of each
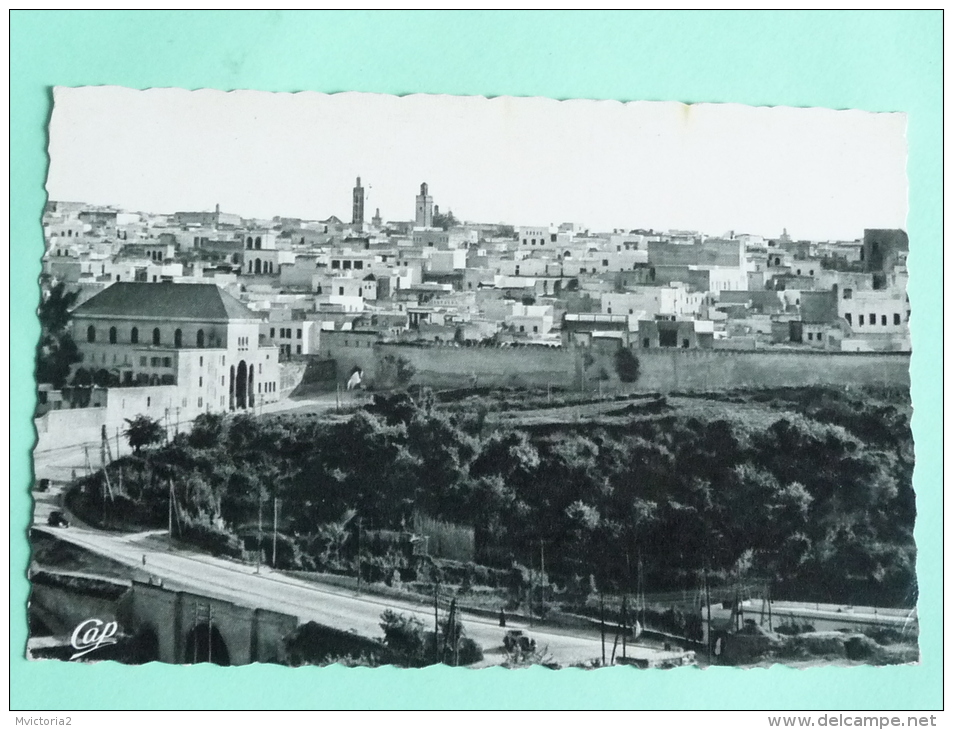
(341, 608)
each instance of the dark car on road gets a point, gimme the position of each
(57, 519)
(516, 640)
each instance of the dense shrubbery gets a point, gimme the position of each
(821, 502)
(411, 645)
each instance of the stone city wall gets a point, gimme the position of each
(662, 370)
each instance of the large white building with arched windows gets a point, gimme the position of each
(196, 337)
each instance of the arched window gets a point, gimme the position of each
(90, 334)
(156, 337)
(177, 338)
(248, 242)
(200, 338)
(258, 242)
(134, 336)
(112, 335)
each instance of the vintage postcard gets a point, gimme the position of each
(381, 380)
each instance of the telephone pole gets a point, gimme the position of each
(708, 604)
(436, 625)
(359, 555)
(170, 514)
(602, 624)
(258, 551)
(274, 539)
(542, 578)
(625, 623)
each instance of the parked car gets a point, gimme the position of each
(57, 519)
(515, 639)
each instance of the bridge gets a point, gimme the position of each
(166, 625)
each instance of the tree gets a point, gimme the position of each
(404, 636)
(56, 351)
(626, 365)
(143, 431)
(446, 221)
(53, 311)
(395, 371)
(208, 430)
(55, 356)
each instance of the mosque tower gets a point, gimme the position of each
(357, 209)
(424, 217)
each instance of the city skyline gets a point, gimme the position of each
(821, 174)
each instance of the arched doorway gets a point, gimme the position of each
(257, 266)
(241, 385)
(144, 646)
(205, 644)
(251, 387)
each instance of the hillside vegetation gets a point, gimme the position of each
(814, 496)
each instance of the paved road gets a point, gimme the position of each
(338, 607)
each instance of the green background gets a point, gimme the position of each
(878, 61)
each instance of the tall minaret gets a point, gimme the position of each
(424, 208)
(376, 220)
(357, 209)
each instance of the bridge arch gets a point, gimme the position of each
(145, 645)
(204, 643)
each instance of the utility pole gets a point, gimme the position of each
(708, 604)
(258, 552)
(452, 632)
(170, 514)
(210, 633)
(641, 589)
(274, 539)
(602, 624)
(359, 555)
(117, 442)
(529, 596)
(436, 625)
(625, 623)
(542, 578)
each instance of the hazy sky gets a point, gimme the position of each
(709, 167)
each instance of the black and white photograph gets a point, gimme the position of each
(373, 380)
